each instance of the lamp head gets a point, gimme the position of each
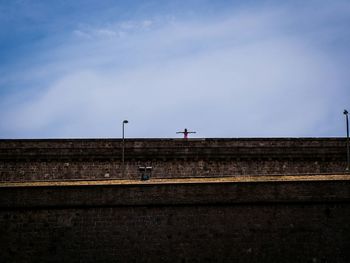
(125, 121)
(345, 112)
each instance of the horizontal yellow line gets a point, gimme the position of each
(233, 179)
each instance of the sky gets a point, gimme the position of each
(77, 69)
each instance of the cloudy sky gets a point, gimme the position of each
(77, 69)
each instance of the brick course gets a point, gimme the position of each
(22, 160)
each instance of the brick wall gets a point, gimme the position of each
(22, 160)
(256, 221)
(298, 221)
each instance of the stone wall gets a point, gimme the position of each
(22, 160)
(272, 221)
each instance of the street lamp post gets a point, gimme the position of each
(123, 144)
(347, 139)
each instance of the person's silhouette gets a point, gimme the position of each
(186, 132)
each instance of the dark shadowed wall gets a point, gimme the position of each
(296, 221)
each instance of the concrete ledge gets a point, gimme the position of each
(194, 180)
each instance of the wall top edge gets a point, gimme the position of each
(178, 139)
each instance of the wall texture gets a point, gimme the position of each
(213, 202)
(23, 160)
(272, 221)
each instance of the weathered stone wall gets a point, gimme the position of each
(177, 220)
(297, 221)
(22, 160)
(24, 171)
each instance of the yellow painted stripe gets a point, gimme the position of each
(233, 179)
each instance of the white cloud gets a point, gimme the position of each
(147, 23)
(233, 76)
(80, 33)
(114, 30)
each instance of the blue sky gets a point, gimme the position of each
(76, 69)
